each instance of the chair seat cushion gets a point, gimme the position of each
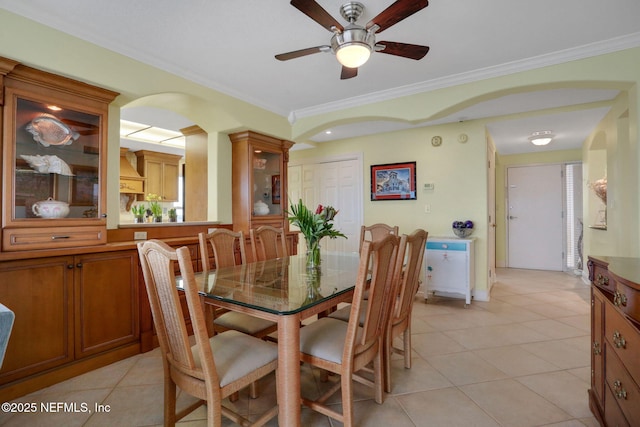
(243, 322)
(345, 312)
(324, 338)
(237, 354)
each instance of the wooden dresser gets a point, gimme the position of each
(614, 397)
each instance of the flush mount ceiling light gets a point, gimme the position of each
(542, 137)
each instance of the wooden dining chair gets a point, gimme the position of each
(224, 243)
(376, 232)
(268, 243)
(345, 348)
(400, 319)
(213, 368)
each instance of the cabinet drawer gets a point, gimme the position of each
(612, 412)
(627, 300)
(22, 239)
(601, 278)
(623, 339)
(623, 389)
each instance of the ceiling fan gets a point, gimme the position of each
(354, 43)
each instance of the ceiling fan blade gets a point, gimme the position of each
(348, 73)
(302, 52)
(395, 13)
(314, 11)
(406, 50)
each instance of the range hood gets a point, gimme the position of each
(131, 183)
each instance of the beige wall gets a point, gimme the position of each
(612, 152)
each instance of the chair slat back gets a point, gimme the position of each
(409, 279)
(224, 243)
(377, 263)
(157, 260)
(376, 232)
(268, 243)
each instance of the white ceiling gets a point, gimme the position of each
(229, 45)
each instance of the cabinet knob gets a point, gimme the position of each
(70, 266)
(79, 265)
(619, 299)
(620, 392)
(618, 340)
(602, 280)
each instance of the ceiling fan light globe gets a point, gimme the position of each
(353, 55)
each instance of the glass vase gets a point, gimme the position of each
(313, 254)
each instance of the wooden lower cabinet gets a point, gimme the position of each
(72, 314)
(40, 293)
(99, 278)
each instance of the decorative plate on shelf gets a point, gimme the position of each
(48, 130)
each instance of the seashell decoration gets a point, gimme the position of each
(48, 164)
(48, 130)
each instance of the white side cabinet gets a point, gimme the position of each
(449, 267)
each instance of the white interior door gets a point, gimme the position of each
(534, 217)
(336, 183)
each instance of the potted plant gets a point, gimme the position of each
(138, 212)
(154, 206)
(173, 215)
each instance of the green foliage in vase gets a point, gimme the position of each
(314, 225)
(154, 204)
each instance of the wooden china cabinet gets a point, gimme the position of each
(54, 161)
(76, 300)
(259, 174)
(259, 183)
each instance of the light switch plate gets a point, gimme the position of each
(428, 186)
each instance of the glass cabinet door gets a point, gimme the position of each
(266, 183)
(56, 156)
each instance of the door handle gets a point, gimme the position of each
(512, 217)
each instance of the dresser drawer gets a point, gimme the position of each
(627, 300)
(24, 239)
(612, 412)
(623, 389)
(600, 277)
(623, 339)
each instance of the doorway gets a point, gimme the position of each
(336, 182)
(535, 217)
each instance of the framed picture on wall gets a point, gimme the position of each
(393, 181)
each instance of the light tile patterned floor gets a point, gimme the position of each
(520, 360)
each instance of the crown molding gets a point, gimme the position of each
(555, 58)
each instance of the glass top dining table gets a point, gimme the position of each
(285, 291)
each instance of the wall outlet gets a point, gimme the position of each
(140, 235)
(428, 186)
